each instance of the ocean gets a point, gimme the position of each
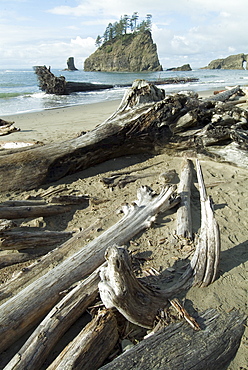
(19, 90)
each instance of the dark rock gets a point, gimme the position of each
(185, 67)
(71, 65)
(134, 52)
(231, 62)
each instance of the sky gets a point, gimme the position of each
(47, 32)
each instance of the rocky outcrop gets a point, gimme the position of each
(134, 52)
(185, 67)
(71, 65)
(231, 62)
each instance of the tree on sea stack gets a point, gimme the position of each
(125, 46)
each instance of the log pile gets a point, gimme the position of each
(33, 300)
(46, 298)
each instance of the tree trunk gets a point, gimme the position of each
(24, 310)
(9, 259)
(179, 347)
(91, 346)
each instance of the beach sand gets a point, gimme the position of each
(226, 184)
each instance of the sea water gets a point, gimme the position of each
(19, 90)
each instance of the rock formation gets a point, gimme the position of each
(231, 62)
(71, 65)
(185, 67)
(134, 52)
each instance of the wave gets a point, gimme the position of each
(14, 95)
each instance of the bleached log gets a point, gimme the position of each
(22, 239)
(184, 221)
(206, 259)
(43, 339)
(91, 346)
(225, 95)
(45, 263)
(12, 213)
(26, 308)
(178, 346)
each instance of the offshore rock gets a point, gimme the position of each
(231, 62)
(71, 65)
(185, 67)
(134, 52)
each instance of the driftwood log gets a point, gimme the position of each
(87, 351)
(179, 347)
(23, 239)
(7, 127)
(51, 84)
(119, 288)
(43, 339)
(47, 262)
(184, 221)
(145, 121)
(21, 312)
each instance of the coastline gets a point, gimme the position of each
(58, 124)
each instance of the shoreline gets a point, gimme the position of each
(62, 123)
(59, 124)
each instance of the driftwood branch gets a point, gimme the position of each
(43, 339)
(179, 347)
(206, 261)
(91, 346)
(184, 221)
(26, 308)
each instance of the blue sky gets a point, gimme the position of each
(47, 32)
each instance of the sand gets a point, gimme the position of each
(227, 185)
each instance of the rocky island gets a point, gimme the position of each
(122, 51)
(238, 61)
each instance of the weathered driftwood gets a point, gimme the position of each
(6, 224)
(91, 346)
(12, 213)
(144, 121)
(225, 95)
(45, 263)
(7, 127)
(26, 308)
(23, 239)
(184, 222)
(206, 261)
(126, 132)
(179, 347)
(9, 259)
(51, 84)
(140, 303)
(43, 339)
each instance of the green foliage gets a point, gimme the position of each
(127, 25)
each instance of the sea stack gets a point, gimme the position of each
(134, 52)
(71, 65)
